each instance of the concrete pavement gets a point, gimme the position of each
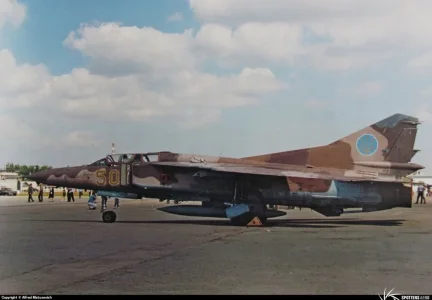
(62, 248)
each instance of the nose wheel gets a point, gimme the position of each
(109, 216)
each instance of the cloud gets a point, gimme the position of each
(84, 138)
(12, 12)
(426, 92)
(250, 43)
(177, 16)
(282, 10)
(369, 88)
(15, 130)
(22, 85)
(135, 73)
(314, 104)
(17, 134)
(118, 50)
(424, 113)
(422, 61)
(240, 55)
(384, 21)
(327, 34)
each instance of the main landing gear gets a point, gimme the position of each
(243, 214)
(246, 219)
(109, 216)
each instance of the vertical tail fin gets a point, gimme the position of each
(389, 140)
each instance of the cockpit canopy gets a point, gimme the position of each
(124, 158)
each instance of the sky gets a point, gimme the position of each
(218, 77)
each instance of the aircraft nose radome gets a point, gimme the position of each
(38, 176)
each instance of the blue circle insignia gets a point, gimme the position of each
(367, 145)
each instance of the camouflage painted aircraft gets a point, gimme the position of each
(366, 170)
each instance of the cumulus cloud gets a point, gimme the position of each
(327, 34)
(22, 85)
(138, 73)
(250, 42)
(345, 21)
(134, 74)
(84, 94)
(12, 12)
(177, 16)
(116, 49)
(282, 10)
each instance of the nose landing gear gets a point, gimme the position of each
(109, 216)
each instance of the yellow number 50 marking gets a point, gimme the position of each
(101, 178)
(114, 177)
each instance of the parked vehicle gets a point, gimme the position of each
(5, 191)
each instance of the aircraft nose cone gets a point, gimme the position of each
(39, 177)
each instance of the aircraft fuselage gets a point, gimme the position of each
(190, 184)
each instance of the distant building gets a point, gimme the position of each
(421, 177)
(10, 180)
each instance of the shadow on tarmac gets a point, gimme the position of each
(294, 223)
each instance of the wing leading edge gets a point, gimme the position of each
(268, 171)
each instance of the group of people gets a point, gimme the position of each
(40, 194)
(92, 202)
(69, 193)
(70, 197)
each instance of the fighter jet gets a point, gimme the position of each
(366, 169)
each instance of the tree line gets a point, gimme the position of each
(24, 170)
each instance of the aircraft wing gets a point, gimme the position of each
(269, 171)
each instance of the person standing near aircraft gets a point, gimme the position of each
(104, 202)
(420, 194)
(92, 202)
(71, 195)
(424, 194)
(40, 194)
(51, 194)
(64, 195)
(30, 193)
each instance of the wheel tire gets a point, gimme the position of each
(109, 217)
